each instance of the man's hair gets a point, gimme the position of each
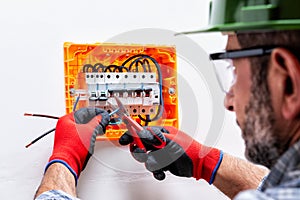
(259, 65)
(287, 39)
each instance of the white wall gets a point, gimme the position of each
(32, 80)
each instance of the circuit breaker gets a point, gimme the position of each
(144, 77)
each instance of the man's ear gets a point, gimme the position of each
(288, 66)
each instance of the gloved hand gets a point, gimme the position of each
(182, 155)
(75, 137)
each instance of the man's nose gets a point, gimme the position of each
(228, 101)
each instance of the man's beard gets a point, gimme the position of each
(263, 145)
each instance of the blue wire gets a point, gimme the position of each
(114, 112)
(115, 123)
(76, 102)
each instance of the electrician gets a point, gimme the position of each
(264, 46)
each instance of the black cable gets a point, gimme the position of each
(147, 120)
(109, 68)
(86, 68)
(98, 66)
(132, 57)
(156, 117)
(137, 63)
(145, 61)
(142, 56)
(40, 137)
(41, 115)
(120, 69)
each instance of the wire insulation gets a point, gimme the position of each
(41, 115)
(40, 137)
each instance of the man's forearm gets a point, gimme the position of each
(235, 175)
(57, 177)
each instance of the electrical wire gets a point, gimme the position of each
(114, 68)
(40, 137)
(44, 134)
(120, 69)
(76, 102)
(146, 62)
(41, 115)
(51, 130)
(137, 63)
(147, 120)
(98, 66)
(108, 68)
(159, 111)
(86, 67)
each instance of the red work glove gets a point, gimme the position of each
(182, 155)
(75, 137)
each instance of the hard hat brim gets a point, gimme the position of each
(250, 26)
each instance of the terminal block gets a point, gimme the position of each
(142, 76)
(140, 92)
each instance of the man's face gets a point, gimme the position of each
(238, 96)
(254, 112)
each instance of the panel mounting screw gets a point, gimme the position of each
(172, 91)
(72, 91)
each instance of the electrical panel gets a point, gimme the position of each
(144, 78)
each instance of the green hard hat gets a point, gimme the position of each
(251, 15)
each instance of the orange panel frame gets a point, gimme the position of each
(77, 55)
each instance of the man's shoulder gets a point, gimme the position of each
(270, 194)
(291, 179)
